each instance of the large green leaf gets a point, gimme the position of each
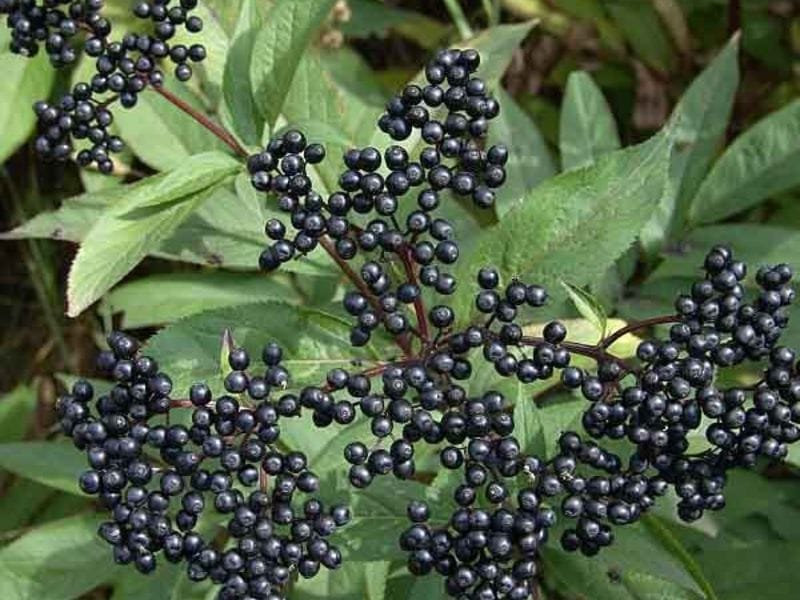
(574, 226)
(58, 561)
(635, 567)
(23, 82)
(164, 298)
(130, 230)
(278, 48)
(240, 107)
(54, 464)
(160, 134)
(699, 122)
(760, 163)
(189, 349)
(588, 129)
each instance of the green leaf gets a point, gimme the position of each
(760, 163)
(162, 135)
(588, 129)
(189, 349)
(354, 581)
(226, 230)
(237, 90)
(635, 567)
(54, 464)
(161, 585)
(674, 546)
(278, 48)
(573, 226)
(529, 160)
(642, 27)
(24, 81)
(753, 243)
(16, 410)
(373, 18)
(130, 230)
(165, 298)
(588, 306)
(699, 123)
(57, 561)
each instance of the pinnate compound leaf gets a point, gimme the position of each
(760, 163)
(57, 561)
(278, 48)
(588, 129)
(130, 230)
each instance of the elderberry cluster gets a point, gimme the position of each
(653, 407)
(124, 68)
(452, 113)
(53, 23)
(157, 479)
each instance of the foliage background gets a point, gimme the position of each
(581, 78)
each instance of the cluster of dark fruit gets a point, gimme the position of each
(452, 159)
(53, 23)
(124, 68)
(157, 478)
(506, 501)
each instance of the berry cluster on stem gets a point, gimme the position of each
(384, 229)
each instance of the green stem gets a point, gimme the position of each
(492, 10)
(674, 547)
(459, 18)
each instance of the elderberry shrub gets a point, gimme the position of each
(507, 501)
(124, 67)
(157, 479)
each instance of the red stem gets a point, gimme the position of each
(325, 242)
(419, 305)
(218, 130)
(609, 340)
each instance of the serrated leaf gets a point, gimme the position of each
(588, 306)
(57, 561)
(130, 230)
(165, 298)
(573, 226)
(587, 129)
(278, 48)
(24, 81)
(699, 123)
(189, 349)
(54, 464)
(760, 163)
